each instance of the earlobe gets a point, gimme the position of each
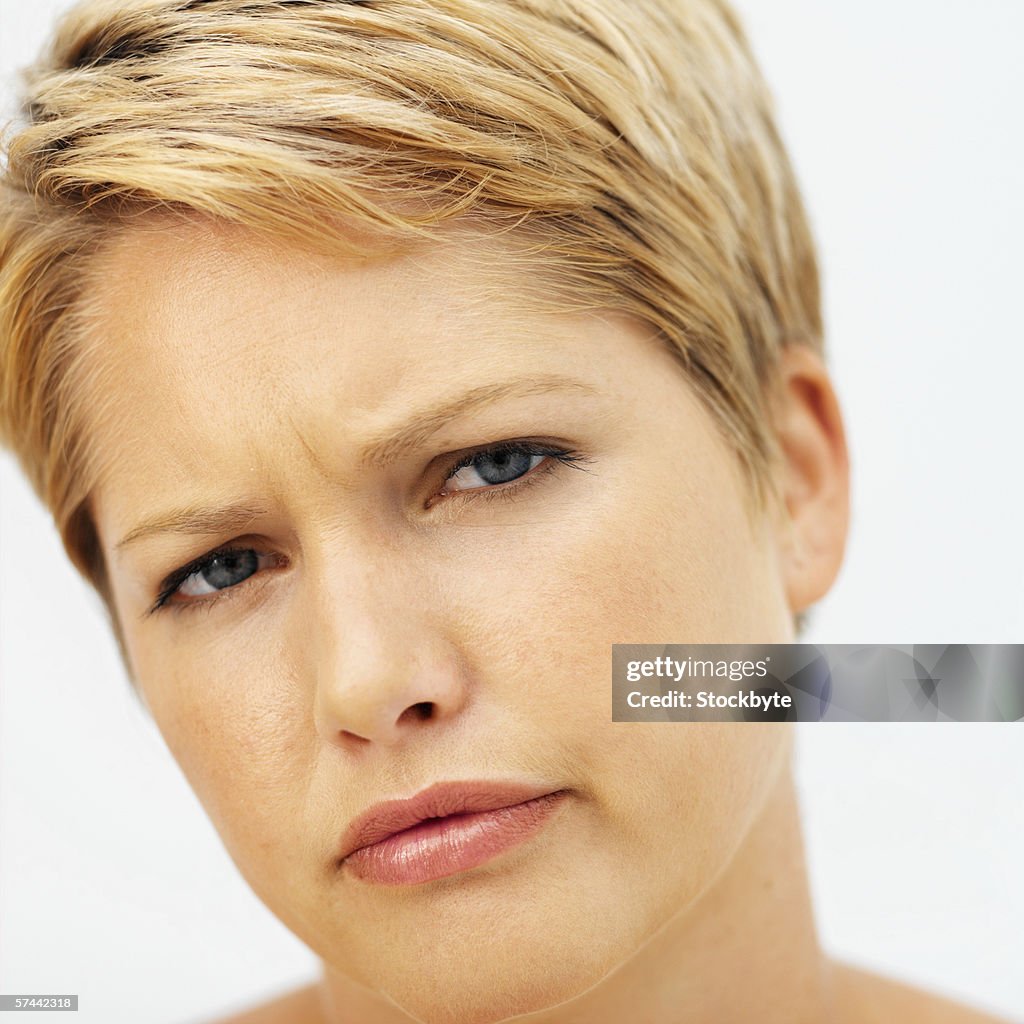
(815, 477)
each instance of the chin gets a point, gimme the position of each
(502, 993)
(506, 968)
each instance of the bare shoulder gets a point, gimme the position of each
(301, 1006)
(867, 998)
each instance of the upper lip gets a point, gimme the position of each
(386, 819)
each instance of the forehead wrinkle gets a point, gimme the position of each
(311, 452)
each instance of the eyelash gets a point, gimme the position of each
(506, 492)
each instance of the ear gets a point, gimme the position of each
(815, 483)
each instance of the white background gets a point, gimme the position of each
(904, 121)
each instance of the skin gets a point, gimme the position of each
(261, 374)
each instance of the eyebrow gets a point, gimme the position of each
(193, 519)
(383, 451)
(380, 452)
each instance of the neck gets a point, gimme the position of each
(747, 950)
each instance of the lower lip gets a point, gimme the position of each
(445, 846)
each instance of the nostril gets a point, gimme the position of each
(423, 710)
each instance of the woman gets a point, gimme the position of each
(382, 364)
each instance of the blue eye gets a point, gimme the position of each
(212, 573)
(223, 570)
(493, 467)
(502, 464)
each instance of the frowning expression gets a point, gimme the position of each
(373, 525)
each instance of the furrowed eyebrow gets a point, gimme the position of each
(379, 452)
(383, 451)
(193, 519)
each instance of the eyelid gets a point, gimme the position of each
(557, 455)
(526, 446)
(170, 584)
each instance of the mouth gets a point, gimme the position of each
(443, 830)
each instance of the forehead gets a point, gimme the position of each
(198, 300)
(213, 349)
(226, 318)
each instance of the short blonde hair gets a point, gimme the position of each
(633, 145)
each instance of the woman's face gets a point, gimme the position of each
(407, 605)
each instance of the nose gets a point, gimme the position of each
(382, 666)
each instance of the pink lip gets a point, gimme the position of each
(446, 828)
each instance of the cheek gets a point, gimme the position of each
(239, 737)
(674, 563)
(677, 563)
(707, 781)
